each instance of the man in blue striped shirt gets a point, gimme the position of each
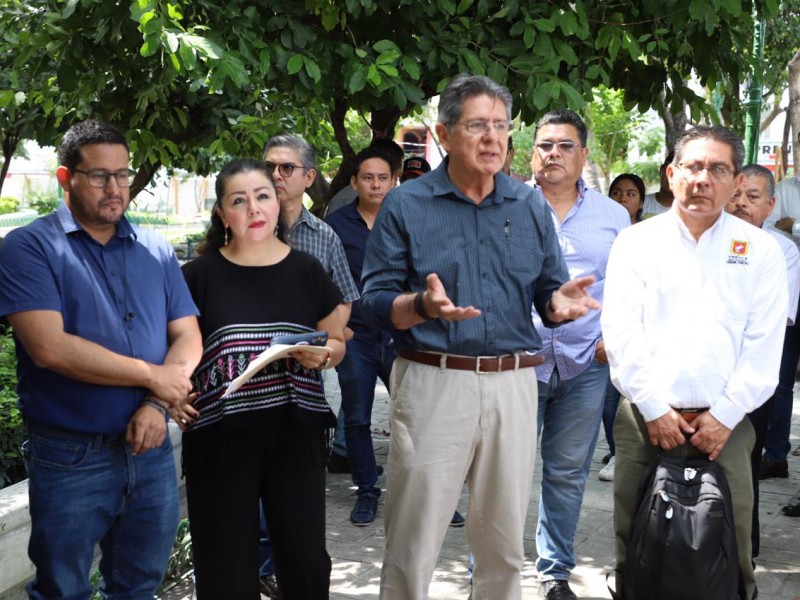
(453, 264)
(572, 380)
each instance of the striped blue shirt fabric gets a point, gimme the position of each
(313, 235)
(499, 256)
(585, 237)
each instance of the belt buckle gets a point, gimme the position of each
(478, 360)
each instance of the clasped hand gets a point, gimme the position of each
(705, 432)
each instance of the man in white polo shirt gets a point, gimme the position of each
(695, 308)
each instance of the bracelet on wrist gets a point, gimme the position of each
(419, 306)
(157, 405)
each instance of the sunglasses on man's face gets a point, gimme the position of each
(284, 169)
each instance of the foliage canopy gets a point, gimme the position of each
(192, 80)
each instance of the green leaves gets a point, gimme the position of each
(295, 64)
(202, 45)
(186, 70)
(312, 68)
(357, 81)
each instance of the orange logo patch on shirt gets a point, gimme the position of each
(739, 248)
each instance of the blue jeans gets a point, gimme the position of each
(339, 444)
(330, 385)
(777, 444)
(610, 404)
(569, 423)
(87, 492)
(363, 363)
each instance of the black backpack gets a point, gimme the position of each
(683, 542)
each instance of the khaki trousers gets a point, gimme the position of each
(449, 426)
(635, 453)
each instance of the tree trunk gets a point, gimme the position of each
(793, 113)
(675, 121)
(784, 145)
(382, 122)
(342, 177)
(10, 144)
(143, 177)
(731, 106)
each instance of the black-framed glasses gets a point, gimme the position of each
(716, 172)
(566, 147)
(99, 178)
(285, 169)
(482, 126)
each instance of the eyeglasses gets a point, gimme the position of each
(564, 147)
(482, 126)
(716, 172)
(285, 169)
(99, 178)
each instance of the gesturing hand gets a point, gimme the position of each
(571, 300)
(438, 305)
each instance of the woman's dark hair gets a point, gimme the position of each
(215, 234)
(637, 181)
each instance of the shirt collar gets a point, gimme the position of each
(351, 211)
(70, 225)
(442, 186)
(306, 217)
(684, 230)
(580, 184)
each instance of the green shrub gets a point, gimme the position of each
(146, 218)
(45, 202)
(8, 205)
(12, 434)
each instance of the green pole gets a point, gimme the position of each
(753, 102)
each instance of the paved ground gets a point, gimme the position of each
(357, 552)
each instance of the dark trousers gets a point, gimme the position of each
(776, 444)
(610, 404)
(363, 364)
(228, 469)
(760, 420)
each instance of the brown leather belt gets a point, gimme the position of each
(690, 414)
(479, 364)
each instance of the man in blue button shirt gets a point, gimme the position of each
(106, 336)
(573, 378)
(453, 264)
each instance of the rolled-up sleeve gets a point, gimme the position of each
(385, 272)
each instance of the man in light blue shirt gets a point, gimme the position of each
(572, 380)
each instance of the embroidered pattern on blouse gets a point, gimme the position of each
(227, 353)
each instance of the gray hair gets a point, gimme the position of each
(465, 86)
(718, 133)
(759, 171)
(564, 117)
(294, 142)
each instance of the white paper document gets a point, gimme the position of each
(269, 355)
